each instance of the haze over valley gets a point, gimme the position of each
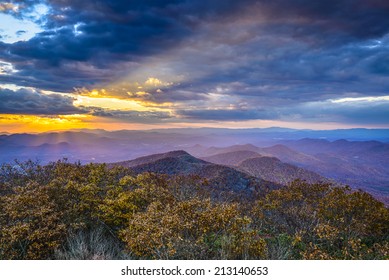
(276, 155)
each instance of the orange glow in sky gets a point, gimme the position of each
(37, 124)
(30, 123)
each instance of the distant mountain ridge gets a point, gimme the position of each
(155, 157)
(231, 158)
(268, 168)
(331, 154)
(362, 165)
(182, 163)
(274, 170)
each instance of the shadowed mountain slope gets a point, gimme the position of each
(272, 169)
(231, 158)
(181, 163)
(362, 165)
(265, 167)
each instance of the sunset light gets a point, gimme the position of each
(221, 132)
(250, 64)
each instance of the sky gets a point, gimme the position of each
(67, 64)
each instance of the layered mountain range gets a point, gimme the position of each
(237, 156)
(266, 167)
(181, 163)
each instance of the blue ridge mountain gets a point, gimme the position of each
(182, 163)
(265, 167)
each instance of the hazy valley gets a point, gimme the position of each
(276, 155)
(194, 194)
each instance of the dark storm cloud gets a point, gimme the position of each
(109, 32)
(264, 53)
(131, 116)
(355, 112)
(369, 114)
(358, 18)
(30, 102)
(104, 34)
(226, 115)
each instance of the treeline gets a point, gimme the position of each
(74, 211)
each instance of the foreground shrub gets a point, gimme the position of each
(193, 229)
(326, 222)
(74, 211)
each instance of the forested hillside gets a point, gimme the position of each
(221, 177)
(265, 167)
(74, 211)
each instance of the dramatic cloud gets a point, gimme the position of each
(226, 115)
(351, 110)
(132, 116)
(206, 60)
(30, 102)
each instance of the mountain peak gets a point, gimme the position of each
(181, 163)
(155, 157)
(176, 153)
(231, 158)
(272, 169)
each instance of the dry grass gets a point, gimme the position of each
(95, 244)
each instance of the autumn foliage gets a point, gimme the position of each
(74, 211)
